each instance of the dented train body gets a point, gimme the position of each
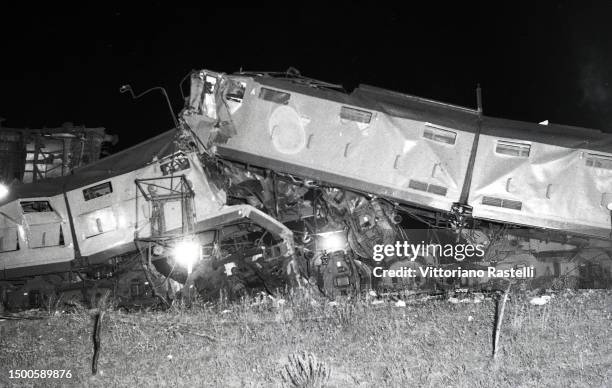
(523, 189)
(87, 226)
(93, 214)
(281, 179)
(411, 150)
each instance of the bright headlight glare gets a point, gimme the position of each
(186, 253)
(609, 206)
(331, 241)
(3, 191)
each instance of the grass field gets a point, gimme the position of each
(435, 343)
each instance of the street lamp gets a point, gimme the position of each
(128, 88)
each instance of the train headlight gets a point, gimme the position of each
(332, 241)
(609, 206)
(3, 191)
(186, 253)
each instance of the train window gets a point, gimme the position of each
(438, 190)
(360, 116)
(505, 203)
(97, 191)
(430, 188)
(438, 134)
(512, 148)
(274, 95)
(178, 163)
(235, 91)
(599, 161)
(36, 206)
(416, 185)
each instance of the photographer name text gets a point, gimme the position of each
(437, 272)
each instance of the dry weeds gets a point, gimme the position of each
(354, 343)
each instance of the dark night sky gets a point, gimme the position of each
(534, 60)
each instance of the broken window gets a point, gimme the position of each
(178, 163)
(97, 191)
(235, 91)
(234, 94)
(36, 206)
(202, 96)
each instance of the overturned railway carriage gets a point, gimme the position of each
(277, 178)
(519, 187)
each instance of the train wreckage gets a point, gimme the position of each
(274, 180)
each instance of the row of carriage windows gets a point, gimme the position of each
(436, 133)
(9, 240)
(88, 194)
(510, 148)
(177, 164)
(431, 132)
(446, 136)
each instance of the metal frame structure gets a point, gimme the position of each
(26, 157)
(154, 191)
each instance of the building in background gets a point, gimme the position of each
(29, 155)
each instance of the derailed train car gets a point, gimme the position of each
(116, 217)
(275, 179)
(412, 150)
(520, 188)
